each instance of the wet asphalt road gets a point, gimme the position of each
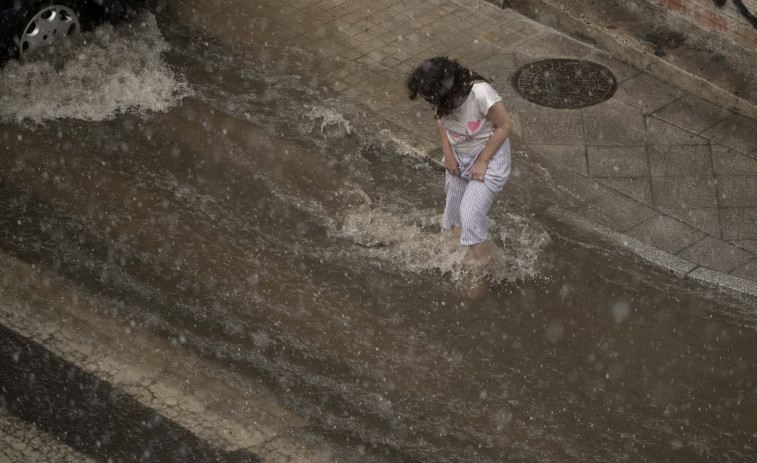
(267, 227)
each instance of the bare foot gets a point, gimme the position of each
(476, 288)
(480, 254)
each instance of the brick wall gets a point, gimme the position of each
(733, 19)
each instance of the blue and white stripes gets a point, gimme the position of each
(468, 201)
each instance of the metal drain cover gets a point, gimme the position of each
(565, 83)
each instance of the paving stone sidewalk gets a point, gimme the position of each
(661, 168)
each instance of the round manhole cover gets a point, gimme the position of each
(565, 83)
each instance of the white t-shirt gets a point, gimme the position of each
(467, 126)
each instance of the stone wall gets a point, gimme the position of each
(733, 19)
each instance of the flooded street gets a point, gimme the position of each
(236, 208)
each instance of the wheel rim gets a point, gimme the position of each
(48, 25)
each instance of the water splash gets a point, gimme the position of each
(93, 76)
(415, 241)
(329, 117)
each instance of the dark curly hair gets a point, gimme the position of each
(442, 82)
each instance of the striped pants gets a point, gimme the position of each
(468, 201)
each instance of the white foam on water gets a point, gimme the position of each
(93, 76)
(329, 117)
(411, 241)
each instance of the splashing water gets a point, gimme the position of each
(93, 76)
(329, 116)
(414, 241)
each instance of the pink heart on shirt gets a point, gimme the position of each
(473, 126)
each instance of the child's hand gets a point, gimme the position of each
(450, 163)
(478, 170)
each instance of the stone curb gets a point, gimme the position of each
(656, 256)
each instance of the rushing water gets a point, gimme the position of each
(92, 76)
(264, 223)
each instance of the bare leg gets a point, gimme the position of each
(457, 231)
(478, 286)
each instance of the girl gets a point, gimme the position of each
(473, 125)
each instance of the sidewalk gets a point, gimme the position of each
(653, 38)
(666, 173)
